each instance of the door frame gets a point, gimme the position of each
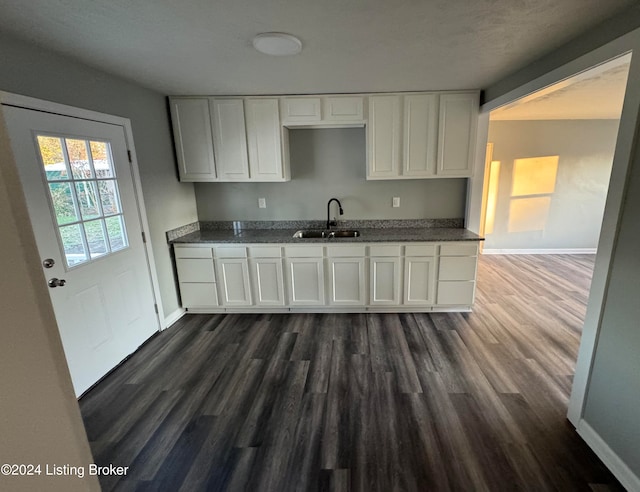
(10, 99)
(623, 159)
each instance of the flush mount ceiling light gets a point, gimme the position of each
(277, 44)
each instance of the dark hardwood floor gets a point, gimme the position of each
(366, 402)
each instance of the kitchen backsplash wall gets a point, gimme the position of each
(328, 163)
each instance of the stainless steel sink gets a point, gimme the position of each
(308, 234)
(344, 233)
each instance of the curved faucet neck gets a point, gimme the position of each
(329, 222)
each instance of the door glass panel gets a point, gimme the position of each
(109, 196)
(116, 232)
(83, 190)
(55, 166)
(88, 199)
(73, 244)
(79, 158)
(101, 159)
(96, 238)
(62, 198)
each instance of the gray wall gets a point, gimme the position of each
(329, 163)
(585, 149)
(35, 72)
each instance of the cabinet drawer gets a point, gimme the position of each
(231, 252)
(428, 249)
(265, 252)
(198, 295)
(345, 251)
(456, 293)
(195, 270)
(459, 249)
(385, 250)
(303, 251)
(190, 252)
(457, 268)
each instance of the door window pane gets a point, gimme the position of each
(62, 199)
(79, 158)
(73, 244)
(116, 232)
(109, 196)
(87, 193)
(55, 167)
(101, 160)
(96, 238)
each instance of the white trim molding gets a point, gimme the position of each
(612, 461)
(173, 317)
(551, 251)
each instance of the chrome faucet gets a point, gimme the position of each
(329, 221)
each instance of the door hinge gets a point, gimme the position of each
(155, 306)
(144, 238)
(129, 155)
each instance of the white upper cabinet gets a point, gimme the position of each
(457, 132)
(193, 139)
(437, 131)
(341, 109)
(230, 139)
(267, 161)
(300, 110)
(325, 111)
(383, 137)
(420, 135)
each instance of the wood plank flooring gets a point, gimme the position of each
(362, 402)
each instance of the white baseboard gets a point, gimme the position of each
(553, 251)
(611, 460)
(173, 317)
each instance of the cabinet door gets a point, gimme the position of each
(198, 295)
(230, 139)
(300, 110)
(419, 281)
(191, 122)
(233, 281)
(456, 141)
(383, 137)
(343, 109)
(266, 278)
(264, 139)
(384, 281)
(420, 135)
(347, 281)
(305, 278)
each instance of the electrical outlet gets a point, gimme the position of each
(396, 201)
(262, 203)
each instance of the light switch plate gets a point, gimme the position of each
(396, 201)
(262, 203)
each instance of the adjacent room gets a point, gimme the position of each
(319, 246)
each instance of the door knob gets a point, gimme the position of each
(56, 282)
(48, 263)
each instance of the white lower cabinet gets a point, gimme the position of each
(419, 281)
(384, 274)
(347, 281)
(423, 276)
(305, 279)
(233, 278)
(267, 281)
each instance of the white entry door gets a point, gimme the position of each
(82, 203)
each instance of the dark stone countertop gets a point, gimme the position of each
(367, 235)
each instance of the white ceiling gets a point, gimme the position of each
(595, 94)
(204, 46)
